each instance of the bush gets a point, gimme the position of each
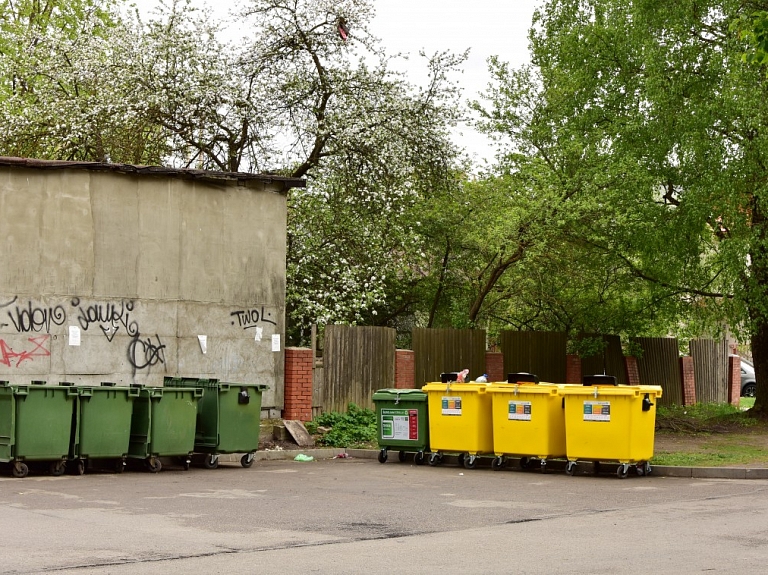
(355, 428)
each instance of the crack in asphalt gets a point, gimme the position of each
(283, 546)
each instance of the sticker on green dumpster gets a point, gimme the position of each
(451, 405)
(597, 411)
(400, 424)
(520, 410)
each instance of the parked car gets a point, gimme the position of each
(748, 383)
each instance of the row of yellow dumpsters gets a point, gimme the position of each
(593, 422)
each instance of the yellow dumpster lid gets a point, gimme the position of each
(530, 388)
(618, 390)
(455, 386)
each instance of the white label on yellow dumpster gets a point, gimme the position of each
(451, 405)
(597, 411)
(520, 410)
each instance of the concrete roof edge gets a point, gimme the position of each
(184, 173)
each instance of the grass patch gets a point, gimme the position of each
(746, 402)
(716, 454)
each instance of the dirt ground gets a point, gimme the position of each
(665, 441)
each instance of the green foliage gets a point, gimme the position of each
(355, 428)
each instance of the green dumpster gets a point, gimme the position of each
(228, 418)
(103, 424)
(163, 425)
(36, 424)
(402, 422)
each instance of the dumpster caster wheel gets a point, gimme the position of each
(186, 463)
(543, 465)
(622, 471)
(154, 465)
(418, 458)
(211, 461)
(20, 469)
(57, 468)
(119, 466)
(247, 459)
(435, 459)
(643, 469)
(79, 467)
(570, 467)
(525, 462)
(401, 456)
(498, 463)
(383, 456)
(470, 461)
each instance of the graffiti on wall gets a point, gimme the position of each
(251, 318)
(38, 348)
(109, 317)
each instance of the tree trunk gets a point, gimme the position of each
(759, 343)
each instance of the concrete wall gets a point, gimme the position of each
(141, 268)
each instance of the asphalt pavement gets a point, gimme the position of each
(355, 515)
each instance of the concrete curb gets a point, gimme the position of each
(555, 465)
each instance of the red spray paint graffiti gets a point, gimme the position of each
(8, 356)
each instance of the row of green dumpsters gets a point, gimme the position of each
(596, 421)
(66, 427)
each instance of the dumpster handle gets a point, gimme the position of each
(397, 397)
(647, 403)
(517, 387)
(595, 392)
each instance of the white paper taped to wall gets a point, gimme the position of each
(203, 339)
(275, 342)
(74, 335)
(259, 332)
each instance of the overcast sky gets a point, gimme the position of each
(486, 27)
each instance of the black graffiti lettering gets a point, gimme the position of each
(108, 316)
(143, 353)
(251, 318)
(35, 319)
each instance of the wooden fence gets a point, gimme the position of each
(356, 362)
(660, 365)
(359, 360)
(538, 352)
(610, 361)
(710, 364)
(437, 351)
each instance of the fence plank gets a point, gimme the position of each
(610, 361)
(660, 365)
(437, 351)
(357, 361)
(710, 365)
(538, 352)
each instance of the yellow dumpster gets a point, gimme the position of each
(528, 422)
(460, 421)
(606, 423)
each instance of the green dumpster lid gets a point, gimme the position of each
(404, 394)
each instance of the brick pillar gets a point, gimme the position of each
(494, 366)
(689, 380)
(633, 373)
(572, 369)
(405, 370)
(734, 379)
(298, 384)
